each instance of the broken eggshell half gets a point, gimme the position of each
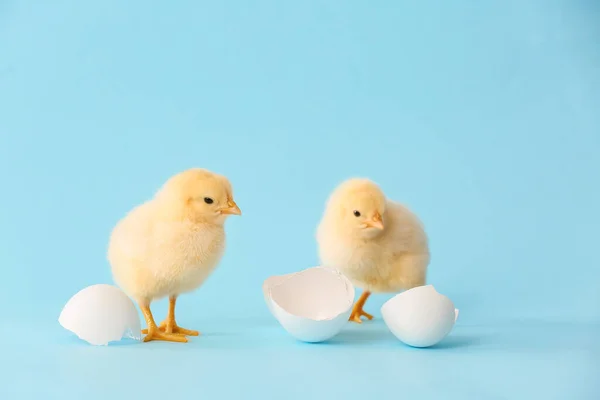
(420, 317)
(312, 305)
(100, 314)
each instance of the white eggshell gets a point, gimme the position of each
(312, 305)
(420, 317)
(100, 314)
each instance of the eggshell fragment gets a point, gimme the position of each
(420, 317)
(312, 305)
(100, 314)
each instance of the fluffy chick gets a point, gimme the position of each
(380, 245)
(170, 244)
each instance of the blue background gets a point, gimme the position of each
(483, 117)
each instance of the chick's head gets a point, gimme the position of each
(200, 196)
(359, 207)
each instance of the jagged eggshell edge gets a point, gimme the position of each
(280, 313)
(73, 315)
(386, 305)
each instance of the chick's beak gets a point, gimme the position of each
(375, 222)
(231, 209)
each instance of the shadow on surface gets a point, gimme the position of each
(358, 337)
(378, 334)
(384, 338)
(458, 341)
(74, 340)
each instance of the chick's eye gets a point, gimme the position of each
(208, 200)
(356, 213)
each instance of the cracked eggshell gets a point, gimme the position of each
(420, 317)
(312, 305)
(100, 314)
(268, 284)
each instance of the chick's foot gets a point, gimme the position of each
(358, 311)
(174, 329)
(156, 334)
(170, 326)
(356, 314)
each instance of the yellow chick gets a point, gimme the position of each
(380, 245)
(170, 244)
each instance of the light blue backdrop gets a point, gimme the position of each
(483, 117)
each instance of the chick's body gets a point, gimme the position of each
(171, 244)
(153, 257)
(379, 244)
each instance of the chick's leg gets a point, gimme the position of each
(153, 333)
(170, 326)
(358, 311)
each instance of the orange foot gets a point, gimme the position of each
(358, 311)
(356, 314)
(156, 334)
(171, 327)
